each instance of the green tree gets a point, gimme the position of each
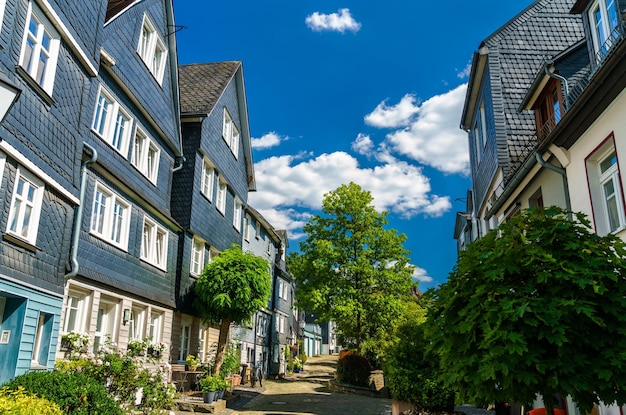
(232, 287)
(351, 269)
(536, 307)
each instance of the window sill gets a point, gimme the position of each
(20, 242)
(37, 366)
(30, 81)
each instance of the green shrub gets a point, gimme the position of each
(354, 370)
(74, 393)
(19, 402)
(231, 361)
(411, 372)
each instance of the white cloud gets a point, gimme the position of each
(434, 137)
(465, 72)
(363, 144)
(268, 140)
(421, 275)
(288, 186)
(395, 116)
(334, 22)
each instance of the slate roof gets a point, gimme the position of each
(203, 84)
(515, 53)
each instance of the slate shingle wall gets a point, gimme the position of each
(516, 54)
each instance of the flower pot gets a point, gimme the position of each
(209, 397)
(220, 394)
(236, 380)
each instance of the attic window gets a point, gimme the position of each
(152, 49)
(549, 109)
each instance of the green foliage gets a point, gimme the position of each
(352, 270)
(232, 361)
(20, 402)
(212, 383)
(538, 306)
(411, 372)
(74, 393)
(354, 369)
(123, 374)
(75, 342)
(301, 352)
(232, 287)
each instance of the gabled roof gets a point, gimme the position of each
(204, 84)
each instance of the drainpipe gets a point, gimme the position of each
(562, 172)
(78, 218)
(560, 78)
(178, 160)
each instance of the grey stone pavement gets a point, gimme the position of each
(306, 393)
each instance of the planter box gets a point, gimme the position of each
(397, 407)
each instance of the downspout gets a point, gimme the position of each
(560, 78)
(171, 41)
(78, 218)
(562, 172)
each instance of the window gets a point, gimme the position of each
(549, 109)
(197, 256)
(246, 227)
(43, 335)
(258, 230)
(606, 189)
(185, 339)
(112, 123)
(25, 207)
(136, 322)
(156, 326)
(208, 177)
(603, 19)
(280, 289)
(480, 132)
(536, 200)
(40, 49)
(154, 244)
(110, 218)
(221, 197)
(145, 156)
(106, 322)
(237, 211)
(230, 133)
(76, 309)
(152, 49)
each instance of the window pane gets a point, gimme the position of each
(608, 162)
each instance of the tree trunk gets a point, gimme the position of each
(221, 345)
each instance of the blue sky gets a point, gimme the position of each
(354, 90)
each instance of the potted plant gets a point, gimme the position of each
(192, 362)
(209, 385)
(155, 349)
(297, 365)
(223, 384)
(136, 347)
(75, 342)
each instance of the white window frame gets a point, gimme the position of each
(185, 338)
(198, 248)
(155, 328)
(152, 49)
(237, 213)
(601, 29)
(37, 31)
(105, 215)
(107, 322)
(154, 244)
(136, 323)
(599, 198)
(230, 133)
(80, 309)
(208, 179)
(26, 204)
(246, 227)
(146, 155)
(106, 122)
(220, 201)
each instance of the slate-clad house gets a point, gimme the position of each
(574, 102)
(120, 283)
(211, 190)
(86, 155)
(261, 340)
(503, 67)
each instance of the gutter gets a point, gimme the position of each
(559, 78)
(78, 217)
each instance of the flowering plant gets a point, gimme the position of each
(156, 349)
(75, 341)
(136, 347)
(192, 361)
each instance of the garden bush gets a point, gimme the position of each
(354, 369)
(20, 402)
(74, 393)
(411, 373)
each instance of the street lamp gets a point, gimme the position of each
(302, 324)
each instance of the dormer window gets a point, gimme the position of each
(152, 49)
(603, 19)
(549, 109)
